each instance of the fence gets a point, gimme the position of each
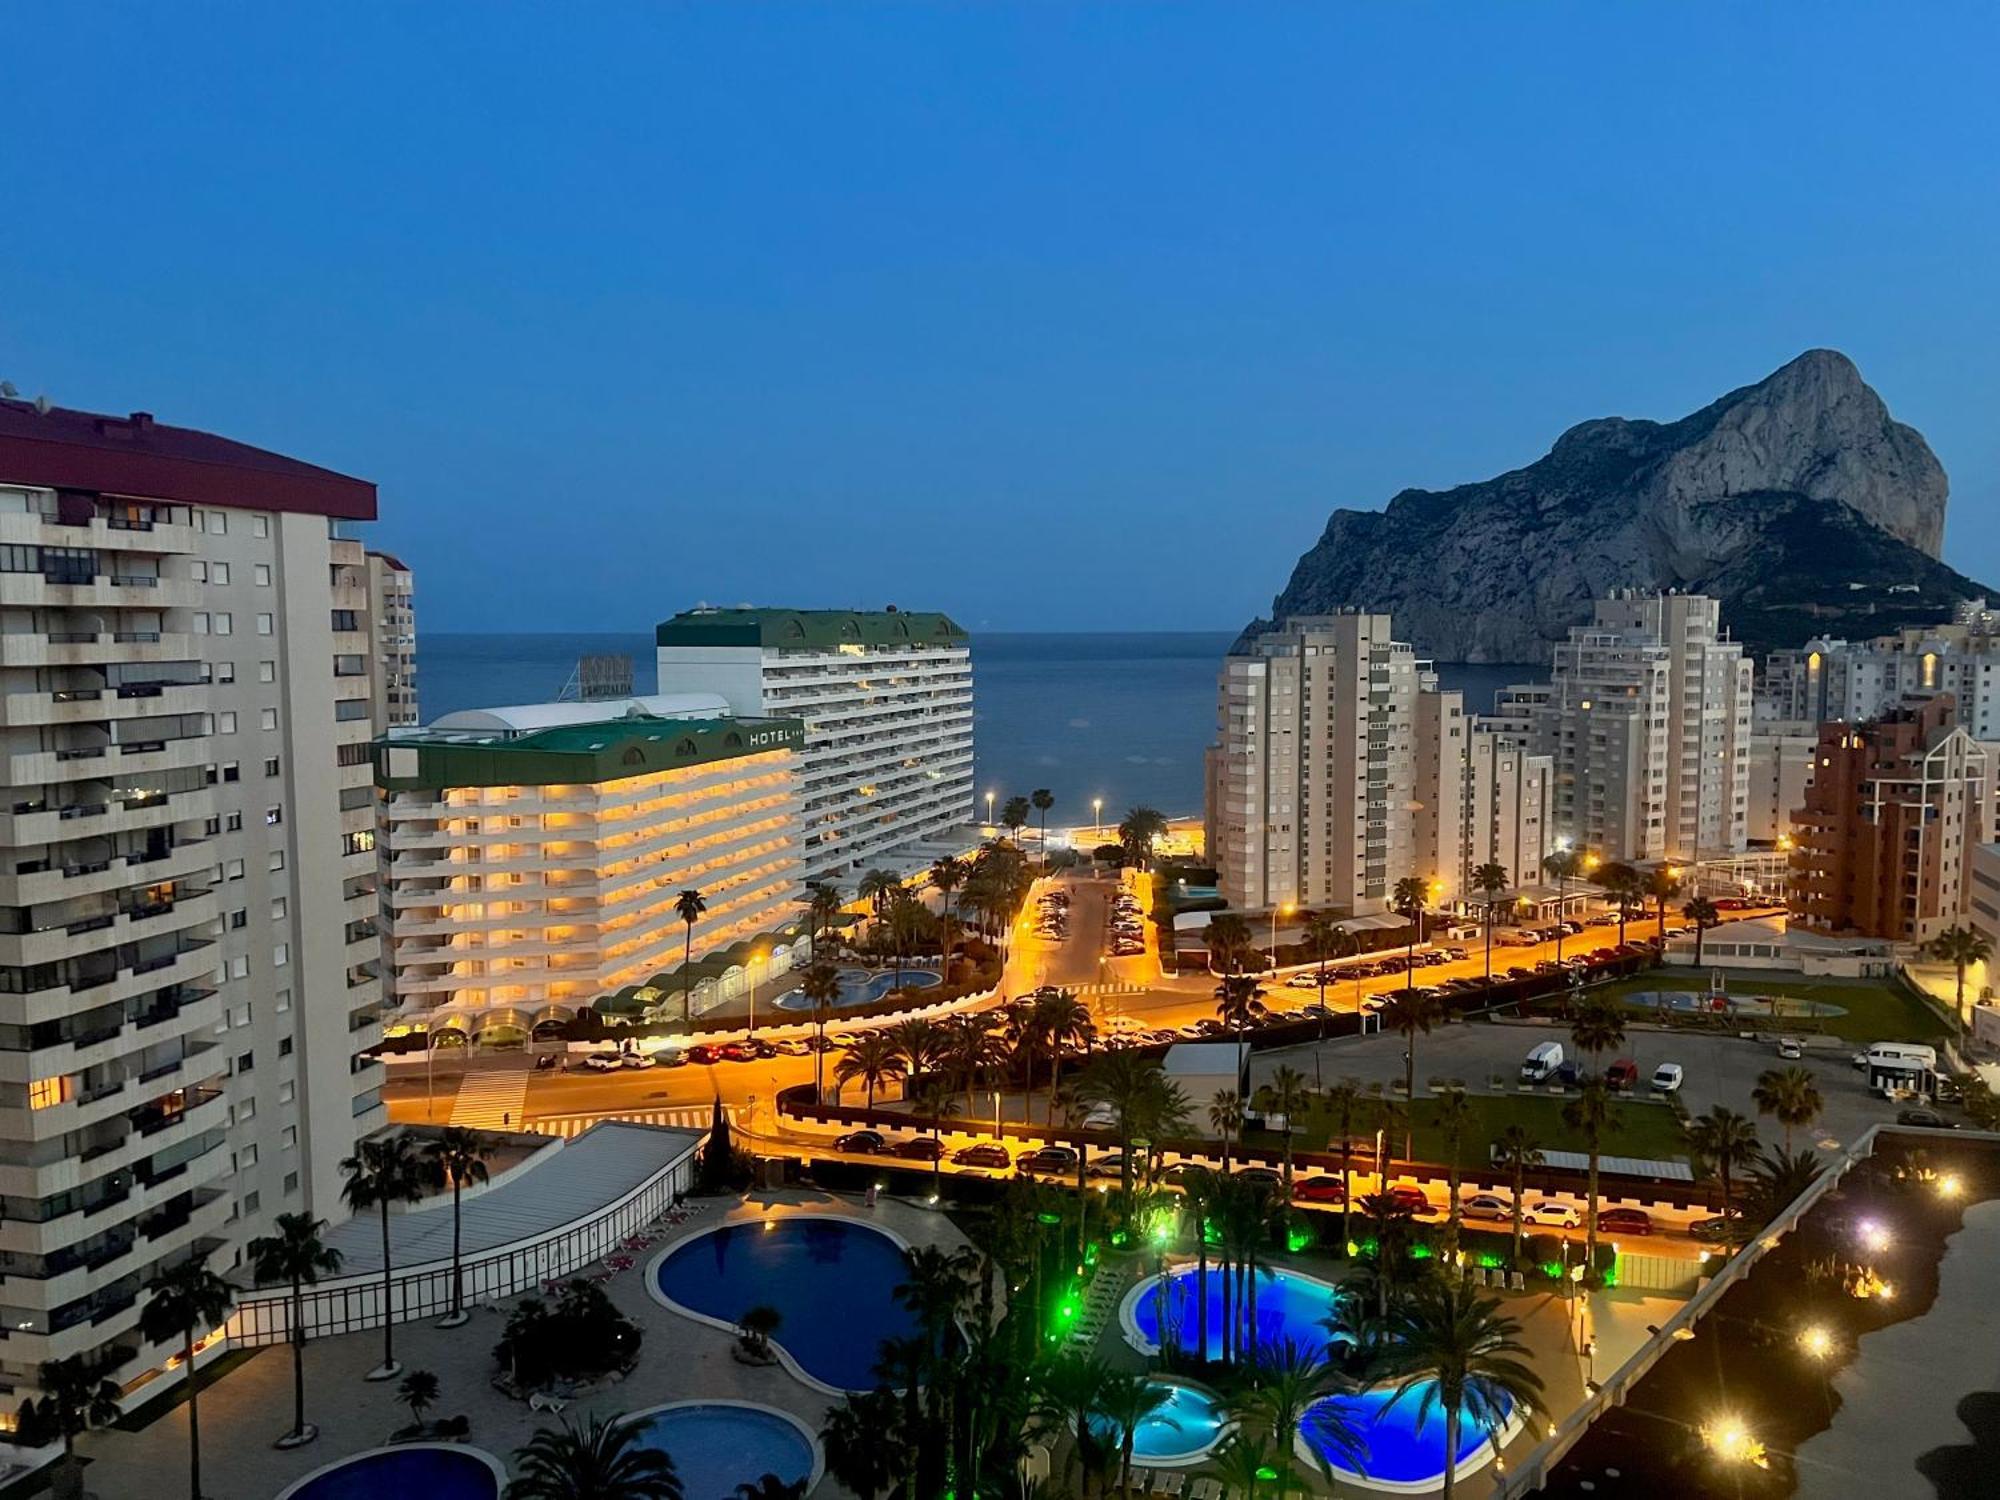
(349, 1304)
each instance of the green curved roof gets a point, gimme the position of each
(810, 629)
(574, 754)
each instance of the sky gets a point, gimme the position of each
(1058, 317)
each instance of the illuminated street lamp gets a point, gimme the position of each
(1097, 817)
(1729, 1440)
(1873, 1235)
(989, 809)
(1283, 910)
(1816, 1341)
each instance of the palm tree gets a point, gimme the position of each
(1791, 1096)
(183, 1301)
(907, 921)
(1622, 883)
(75, 1398)
(1043, 799)
(1702, 912)
(1288, 1382)
(1725, 1142)
(1490, 879)
(1225, 1116)
(1461, 1353)
(1250, 1465)
(1014, 814)
(1343, 1102)
(874, 888)
(1227, 937)
(1591, 1115)
(419, 1392)
(1961, 947)
(1137, 832)
(1325, 939)
(1412, 895)
(381, 1173)
(1141, 1097)
(689, 906)
(1516, 1149)
(1662, 885)
(874, 1058)
(455, 1157)
(1059, 1021)
(771, 1487)
(864, 1441)
(821, 987)
(1233, 1003)
(1598, 1027)
(1288, 1098)
(1779, 1178)
(601, 1460)
(823, 904)
(1453, 1119)
(933, 1103)
(918, 1041)
(1563, 866)
(947, 875)
(1126, 1399)
(297, 1256)
(1409, 1014)
(1066, 1392)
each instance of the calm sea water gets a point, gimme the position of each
(1124, 717)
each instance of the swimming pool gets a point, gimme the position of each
(437, 1471)
(1289, 1306)
(1181, 1432)
(832, 1280)
(861, 987)
(1688, 1002)
(1398, 1455)
(719, 1445)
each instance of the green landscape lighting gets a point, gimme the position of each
(1298, 1238)
(1420, 1252)
(1552, 1269)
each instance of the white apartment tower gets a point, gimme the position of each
(1336, 770)
(886, 699)
(188, 956)
(1506, 818)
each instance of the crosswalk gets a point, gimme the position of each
(1109, 987)
(690, 1117)
(491, 1098)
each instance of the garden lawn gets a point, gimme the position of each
(1873, 1011)
(1646, 1128)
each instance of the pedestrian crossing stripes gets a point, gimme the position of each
(691, 1117)
(1109, 988)
(491, 1098)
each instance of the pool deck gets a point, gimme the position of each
(244, 1410)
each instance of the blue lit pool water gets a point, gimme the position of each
(1184, 1429)
(715, 1448)
(861, 987)
(832, 1281)
(1396, 1453)
(434, 1473)
(1289, 1306)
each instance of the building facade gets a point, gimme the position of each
(392, 640)
(533, 857)
(1829, 679)
(1884, 843)
(886, 700)
(1781, 761)
(189, 968)
(1506, 816)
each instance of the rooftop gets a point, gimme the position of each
(138, 457)
(525, 718)
(576, 754)
(809, 629)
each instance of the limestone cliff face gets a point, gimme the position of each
(1799, 500)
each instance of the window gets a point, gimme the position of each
(225, 723)
(288, 1138)
(251, 1203)
(201, 622)
(218, 523)
(285, 1091)
(345, 619)
(284, 1003)
(245, 1063)
(260, 526)
(260, 574)
(235, 822)
(219, 573)
(232, 771)
(348, 710)
(44, 1093)
(279, 908)
(284, 1046)
(357, 843)
(211, 826)
(268, 719)
(239, 967)
(246, 1110)
(267, 671)
(277, 859)
(233, 870)
(270, 765)
(225, 623)
(239, 919)
(20, 559)
(281, 955)
(198, 571)
(291, 1182)
(225, 671)
(265, 624)
(273, 816)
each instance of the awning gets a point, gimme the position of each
(1626, 1166)
(503, 1020)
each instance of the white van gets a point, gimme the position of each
(1540, 1065)
(1667, 1078)
(1901, 1056)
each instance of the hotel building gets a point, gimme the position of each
(188, 954)
(532, 856)
(886, 700)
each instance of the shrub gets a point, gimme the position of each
(578, 1337)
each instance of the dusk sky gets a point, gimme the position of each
(1054, 317)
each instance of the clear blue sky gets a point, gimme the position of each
(1053, 316)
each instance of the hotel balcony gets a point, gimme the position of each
(100, 705)
(110, 535)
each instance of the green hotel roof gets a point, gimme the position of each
(575, 754)
(809, 629)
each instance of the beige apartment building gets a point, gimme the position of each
(189, 968)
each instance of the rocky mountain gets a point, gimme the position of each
(1798, 500)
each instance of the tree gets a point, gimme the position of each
(821, 987)
(1249, 1465)
(1726, 1143)
(1144, 1102)
(601, 1460)
(1597, 1027)
(907, 921)
(919, 1041)
(1235, 1004)
(864, 1441)
(1779, 1178)
(1288, 1382)
(419, 1392)
(689, 906)
(1622, 883)
(296, 1256)
(1126, 1399)
(1014, 815)
(1225, 1116)
(771, 1487)
(1662, 884)
(1410, 1014)
(1058, 1020)
(453, 1158)
(1516, 1149)
(1961, 947)
(1288, 1098)
(1137, 832)
(875, 889)
(381, 1173)
(1591, 1115)
(1325, 939)
(874, 1058)
(1344, 1101)
(75, 1398)
(1458, 1351)
(757, 1325)
(947, 875)
(1043, 799)
(1789, 1095)
(1066, 1392)
(1702, 912)
(1490, 880)
(183, 1301)
(1454, 1118)
(1412, 895)
(1228, 939)
(1562, 866)
(823, 904)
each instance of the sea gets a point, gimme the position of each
(1122, 716)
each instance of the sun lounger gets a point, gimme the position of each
(1169, 1483)
(543, 1401)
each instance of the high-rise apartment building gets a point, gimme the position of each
(1828, 679)
(1781, 762)
(533, 857)
(1506, 816)
(1884, 844)
(1336, 770)
(392, 640)
(886, 699)
(188, 957)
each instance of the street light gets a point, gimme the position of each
(989, 809)
(1097, 818)
(1284, 909)
(1817, 1342)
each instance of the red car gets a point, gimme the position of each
(1623, 1074)
(1318, 1190)
(703, 1055)
(985, 1154)
(1624, 1221)
(922, 1148)
(1410, 1198)
(736, 1052)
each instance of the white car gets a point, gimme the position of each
(602, 1062)
(1553, 1214)
(1667, 1078)
(636, 1060)
(1791, 1048)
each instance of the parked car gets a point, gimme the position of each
(1181, 1172)
(1050, 1161)
(1624, 1221)
(1622, 1074)
(1318, 1189)
(636, 1060)
(920, 1148)
(1791, 1048)
(860, 1142)
(984, 1154)
(737, 1052)
(670, 1057)
(1110, 1164)
(1568, 1074)
(1410, 1198)
(1488, 1206)
(703, 1055)
(1269, 1176)
(1667, 1078)
(1718, 1230)
(1553, 1213)
(602, 1062)
(1929, 1119)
